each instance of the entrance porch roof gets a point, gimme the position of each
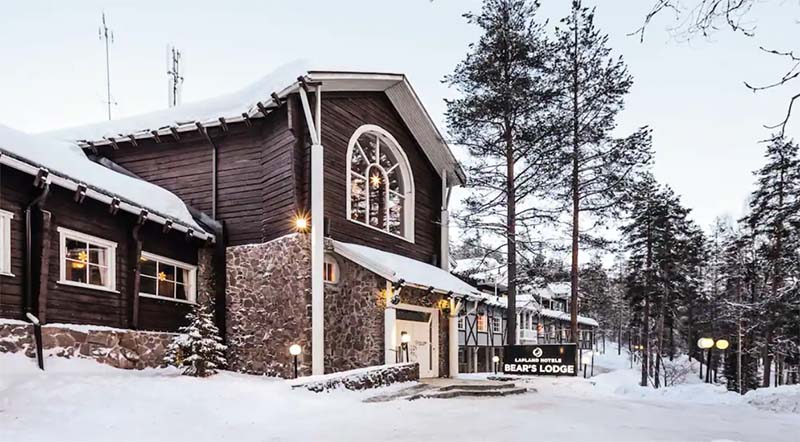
(412, 272)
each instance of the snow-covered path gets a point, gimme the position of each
(78, 400)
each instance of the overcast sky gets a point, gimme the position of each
(706, 124)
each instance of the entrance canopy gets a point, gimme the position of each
(398, 268)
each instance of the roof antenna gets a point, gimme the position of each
(175, 82)
(106, 34)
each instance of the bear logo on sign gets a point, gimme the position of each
(537, 352)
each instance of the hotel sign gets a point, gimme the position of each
(542, 360)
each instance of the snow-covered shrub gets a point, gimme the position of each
(198, 349)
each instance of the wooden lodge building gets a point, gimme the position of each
(311, 207)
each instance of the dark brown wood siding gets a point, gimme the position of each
(342, 114)
(15, 193)
(255, 174)
(80, 305)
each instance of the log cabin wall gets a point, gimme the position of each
(79, 305)
(256, 174)
(342, 114)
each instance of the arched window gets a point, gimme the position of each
(380, 186)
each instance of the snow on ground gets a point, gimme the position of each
(80, 400)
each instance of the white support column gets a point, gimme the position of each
(452, 343)
(389, 323)
(445, 226)
(317, 234)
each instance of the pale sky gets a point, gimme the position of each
(706, 124)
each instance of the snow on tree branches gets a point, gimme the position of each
(198, 350)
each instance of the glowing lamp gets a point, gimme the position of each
(405, 338)
(722, 344)
(300, 223)
(295, 350)
(705, 343)
(495, 359)
(375, 180)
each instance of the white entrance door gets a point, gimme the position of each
(420, 348)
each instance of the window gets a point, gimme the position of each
(330, 270)
(481, 323)
(380, 185)
(87, 261)
(5, 242)
(165, 278)
(461, 325)
(496, 324)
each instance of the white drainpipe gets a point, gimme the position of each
(317, 234)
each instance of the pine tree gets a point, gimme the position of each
(774, 214)
(599, 168)
(503, 119)
(198, 349)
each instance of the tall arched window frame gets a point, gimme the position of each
(380, 185)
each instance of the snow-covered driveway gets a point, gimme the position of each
(79, 400)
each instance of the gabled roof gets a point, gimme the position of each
(69, 167)
(263, 96)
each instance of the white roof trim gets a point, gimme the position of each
(395, 267)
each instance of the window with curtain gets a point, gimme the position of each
(86, 260)
(380, 184)
(165, 278)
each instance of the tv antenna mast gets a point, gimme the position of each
(175, 83)
(106, 34)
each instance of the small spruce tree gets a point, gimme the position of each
(198, 350)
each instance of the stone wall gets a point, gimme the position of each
(269, 305)
(354, 333)
(115, 347)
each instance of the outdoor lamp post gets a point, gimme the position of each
(295, 351)
(496, 360)
(405, 338)
(721, 345)
(706, 344)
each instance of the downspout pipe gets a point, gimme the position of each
(36, 203)
(208, 138)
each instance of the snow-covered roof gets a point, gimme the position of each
(261, 97)
(395, 268)
(562, 316)
(560, 288)
(484, 270)
(69, 167)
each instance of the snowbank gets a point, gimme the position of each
(783, 399)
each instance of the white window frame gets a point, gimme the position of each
(405, 170)
(5, 242)
(462, 323)
(482, 326)
(191, 284)
(330, 261)
(111, 252)
(496, 321)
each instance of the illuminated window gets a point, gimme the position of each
(481, 323)
(330, 270)
(165, 278)
(496, 324)
(87, 261)
(380, 184)
(5, 242)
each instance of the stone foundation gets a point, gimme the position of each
(131, 349)
(269, 306)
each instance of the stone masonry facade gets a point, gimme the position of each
(354, 334)
(131, 349)
(269, 306)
